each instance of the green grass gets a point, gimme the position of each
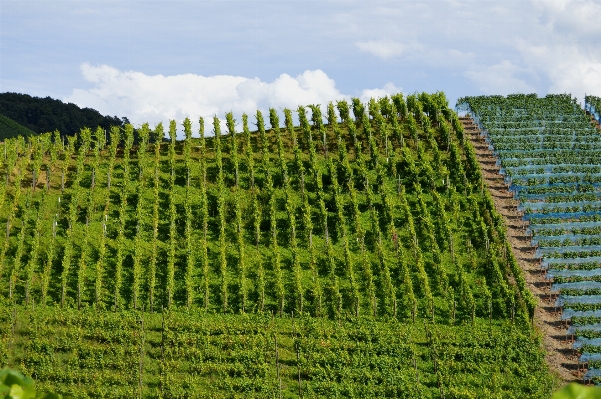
(11, 129)
(199, 355)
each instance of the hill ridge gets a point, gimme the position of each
(46, 114)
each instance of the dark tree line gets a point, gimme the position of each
(47, 114)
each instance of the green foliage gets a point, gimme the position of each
(14, 385)
(356, 227)
(577, 391)
(125, 354)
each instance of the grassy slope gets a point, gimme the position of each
(223, 355)
(10, 129)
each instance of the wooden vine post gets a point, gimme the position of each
(277, 365)
(141, 367)
(296, 348)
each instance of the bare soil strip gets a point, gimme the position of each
(559, 354)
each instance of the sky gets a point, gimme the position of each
(153, 61)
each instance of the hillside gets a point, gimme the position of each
(354, 255)
(47, 114)
(548, 150)
(10, 128)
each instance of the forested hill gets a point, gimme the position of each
(47, 114)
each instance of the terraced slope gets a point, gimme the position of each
(549, 154)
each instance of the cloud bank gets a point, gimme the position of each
(491, 47)
(464, 47)
(158, 98)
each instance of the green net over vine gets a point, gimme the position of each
(548, 150)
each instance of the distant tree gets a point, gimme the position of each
(47, 114)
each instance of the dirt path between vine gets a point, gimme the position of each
(559, 355)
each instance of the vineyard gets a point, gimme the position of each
(548, 151)
(354, 254)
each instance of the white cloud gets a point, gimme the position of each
(568, 56)
(388, 89)
(382, 48)
(575, 19)
(500, 78)
(568, 68)
(144, 98)
(551, 47)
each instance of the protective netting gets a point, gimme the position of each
(547, 146)
(567, 314)
(594, 112)
(589, 357)
(546, 153)
(559, 193)
(572, 273)
(580, 342)
(540, 206)
(579, 285)
(572, 185)
(589, 105)
(553, 177)
(539, 135)
(588, 327)
(593, 196)
(567, 300)
(568, 226)
(550, 157)
(486, 124)
(546, 240)
(591, 373)
(534, 217)
(546, 160)
(525, 196)
(557, 252)
(548, 168)
(517, 149)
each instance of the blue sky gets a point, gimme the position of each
(155, 60)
